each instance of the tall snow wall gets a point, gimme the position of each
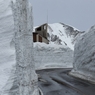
(6, 33)
(20, 79)
(84, 56)
(7, 50)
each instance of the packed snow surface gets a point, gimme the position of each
(84, 56)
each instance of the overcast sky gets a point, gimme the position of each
(78, 13)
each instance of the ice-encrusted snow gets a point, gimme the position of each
(84, 56)
(25, 81)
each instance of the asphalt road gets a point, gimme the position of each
(59, 82)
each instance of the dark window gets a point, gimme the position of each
(39, 29)
(34, 37)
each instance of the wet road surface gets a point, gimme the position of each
(59, 82)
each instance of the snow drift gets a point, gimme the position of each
(84, 56)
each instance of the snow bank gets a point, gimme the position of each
(84, 56)
(52, 56)
(7, 57)
(13, 77)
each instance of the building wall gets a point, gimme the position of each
(42, 30)
(38, 38)
(45, 40)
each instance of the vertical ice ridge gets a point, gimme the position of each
(26, 81)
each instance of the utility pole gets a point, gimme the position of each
(47, 16)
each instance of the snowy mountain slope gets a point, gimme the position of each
(63, 34)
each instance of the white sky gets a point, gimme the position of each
(78, 13)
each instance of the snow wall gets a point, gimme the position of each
(52, 56)
(7, 51)
(84, 56)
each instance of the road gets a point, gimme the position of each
(59, 82)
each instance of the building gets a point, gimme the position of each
(40, 34)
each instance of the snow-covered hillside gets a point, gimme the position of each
(63, 34)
